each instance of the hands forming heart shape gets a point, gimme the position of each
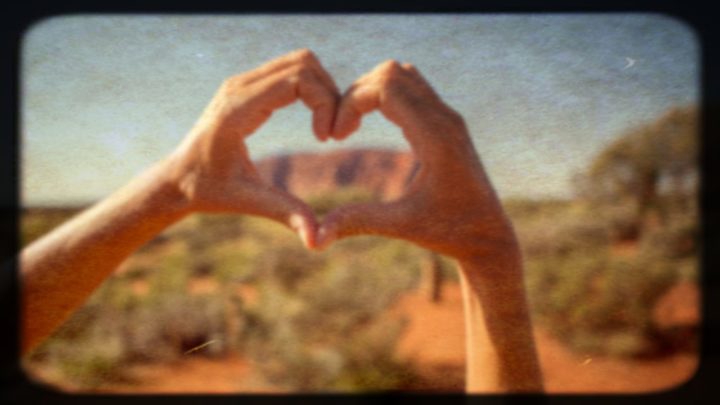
(450, 206)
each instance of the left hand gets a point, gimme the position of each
(212, 168)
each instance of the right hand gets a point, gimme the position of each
(450, 206)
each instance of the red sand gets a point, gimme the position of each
(434, 342)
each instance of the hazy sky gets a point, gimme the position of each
(103, 97)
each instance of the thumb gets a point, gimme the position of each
(275, 204)
(386, 219)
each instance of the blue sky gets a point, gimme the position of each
(103, 97)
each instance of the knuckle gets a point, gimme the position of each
(298, 71)
(388, 73)
(456, 118)
(306, 77)
(452, 114)
(390, 67)
(391, 64)
(232, 83)
(304, 55)
(447, 120)
(297, 74)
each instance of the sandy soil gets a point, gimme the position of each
(194, 375)
(439, 349)
(434, 342)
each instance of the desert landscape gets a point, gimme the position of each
(587, 125)
(230, 304)
(433, 343)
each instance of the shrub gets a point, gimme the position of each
(599, 303)
(318, 324)
(674, 241)
(117, 325)
(553, 237)
(82, 350)
(622, 221)
(326, 202)
(35, 223)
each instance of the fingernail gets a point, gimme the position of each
(305, 238)
(324, 237)
(299, 224)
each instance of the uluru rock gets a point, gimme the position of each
(383, 172)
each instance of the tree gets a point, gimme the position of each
(653, 166)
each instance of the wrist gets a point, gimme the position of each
(496, 276)
(164, 189)
(499, 257)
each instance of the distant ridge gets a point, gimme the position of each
(383, 172)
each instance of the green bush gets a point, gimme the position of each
(35, 223)
(674, 241)
(326, 202)
(593, 300)
(598, 303)
(553, 237)
(83, 350)
(118, 326)
(622, 220)
(318, 324)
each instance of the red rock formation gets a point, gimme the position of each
(383, 172)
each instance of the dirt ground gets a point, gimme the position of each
(434, 342)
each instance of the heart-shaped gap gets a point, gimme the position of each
(373, 164)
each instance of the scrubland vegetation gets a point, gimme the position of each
(596, 266)
(590, 294)
(309, 321)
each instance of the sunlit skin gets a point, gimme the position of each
(210, 171)
(450, 207)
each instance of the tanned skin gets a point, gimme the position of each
(450, 207)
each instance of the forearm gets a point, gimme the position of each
(501, 354)
(60, 271)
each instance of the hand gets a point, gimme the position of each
(212, 168)
(450, 206)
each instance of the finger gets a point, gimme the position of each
(297, 57)
(368, 94)
(286, 86)
(385, 88)
(319, 98)
(359, 99)
(269, 202)
(322, 106)
(405, 98)
(410, 68)
(386, 219)
(324, 114)
(414, 74)
(306, 59)
(323, 74)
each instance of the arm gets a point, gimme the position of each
(210, 171)
(501, 353)
(449, 207)
(59, 271)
